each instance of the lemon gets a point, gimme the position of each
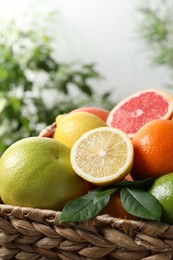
(36, 172)
(162, 189)
(59, 118)
(72, 126)
(103, 155)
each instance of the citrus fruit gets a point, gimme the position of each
(72, 126)
(59, 118)
(36, 172)
(140, 108)
(153, 150)
(129, 177)
(116, 209)
(162, 189)
(102, 155)
(98, 111)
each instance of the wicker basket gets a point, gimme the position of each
(30, 233)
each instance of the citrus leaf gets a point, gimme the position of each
(144, 184)
(140, 203)
(85, 207)
(103, 194)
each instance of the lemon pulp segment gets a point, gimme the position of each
(102, 155)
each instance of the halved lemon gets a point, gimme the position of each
(103, 155)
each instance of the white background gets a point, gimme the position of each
(100, 31)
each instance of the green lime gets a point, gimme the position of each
(162, 189)
(36, 172)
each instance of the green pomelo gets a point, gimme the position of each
(36, 172)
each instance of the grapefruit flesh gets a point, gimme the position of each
(140, 108)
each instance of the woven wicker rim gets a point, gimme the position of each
(28, 233)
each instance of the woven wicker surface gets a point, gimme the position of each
(27, 233)
(48, 131)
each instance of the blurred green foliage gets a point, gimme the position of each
(35, 87)
(155, 27)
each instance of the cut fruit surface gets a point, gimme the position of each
(140, 108)
(103, 155)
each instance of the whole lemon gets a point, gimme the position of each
(36, 172)
(162, 189)
(72, 126)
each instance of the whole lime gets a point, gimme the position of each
(36, 172)
(162, 189)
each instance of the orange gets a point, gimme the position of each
(36, 172)
(116, 209)
(153, 150)
(98, 111)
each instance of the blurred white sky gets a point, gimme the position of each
(101, 31)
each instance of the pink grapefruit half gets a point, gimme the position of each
(138, 109)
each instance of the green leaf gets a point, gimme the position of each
(86, 89)
(87, 206)
(3, 102)
(144, 184)
(141, 203)
(104, 194)
(136, 201)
